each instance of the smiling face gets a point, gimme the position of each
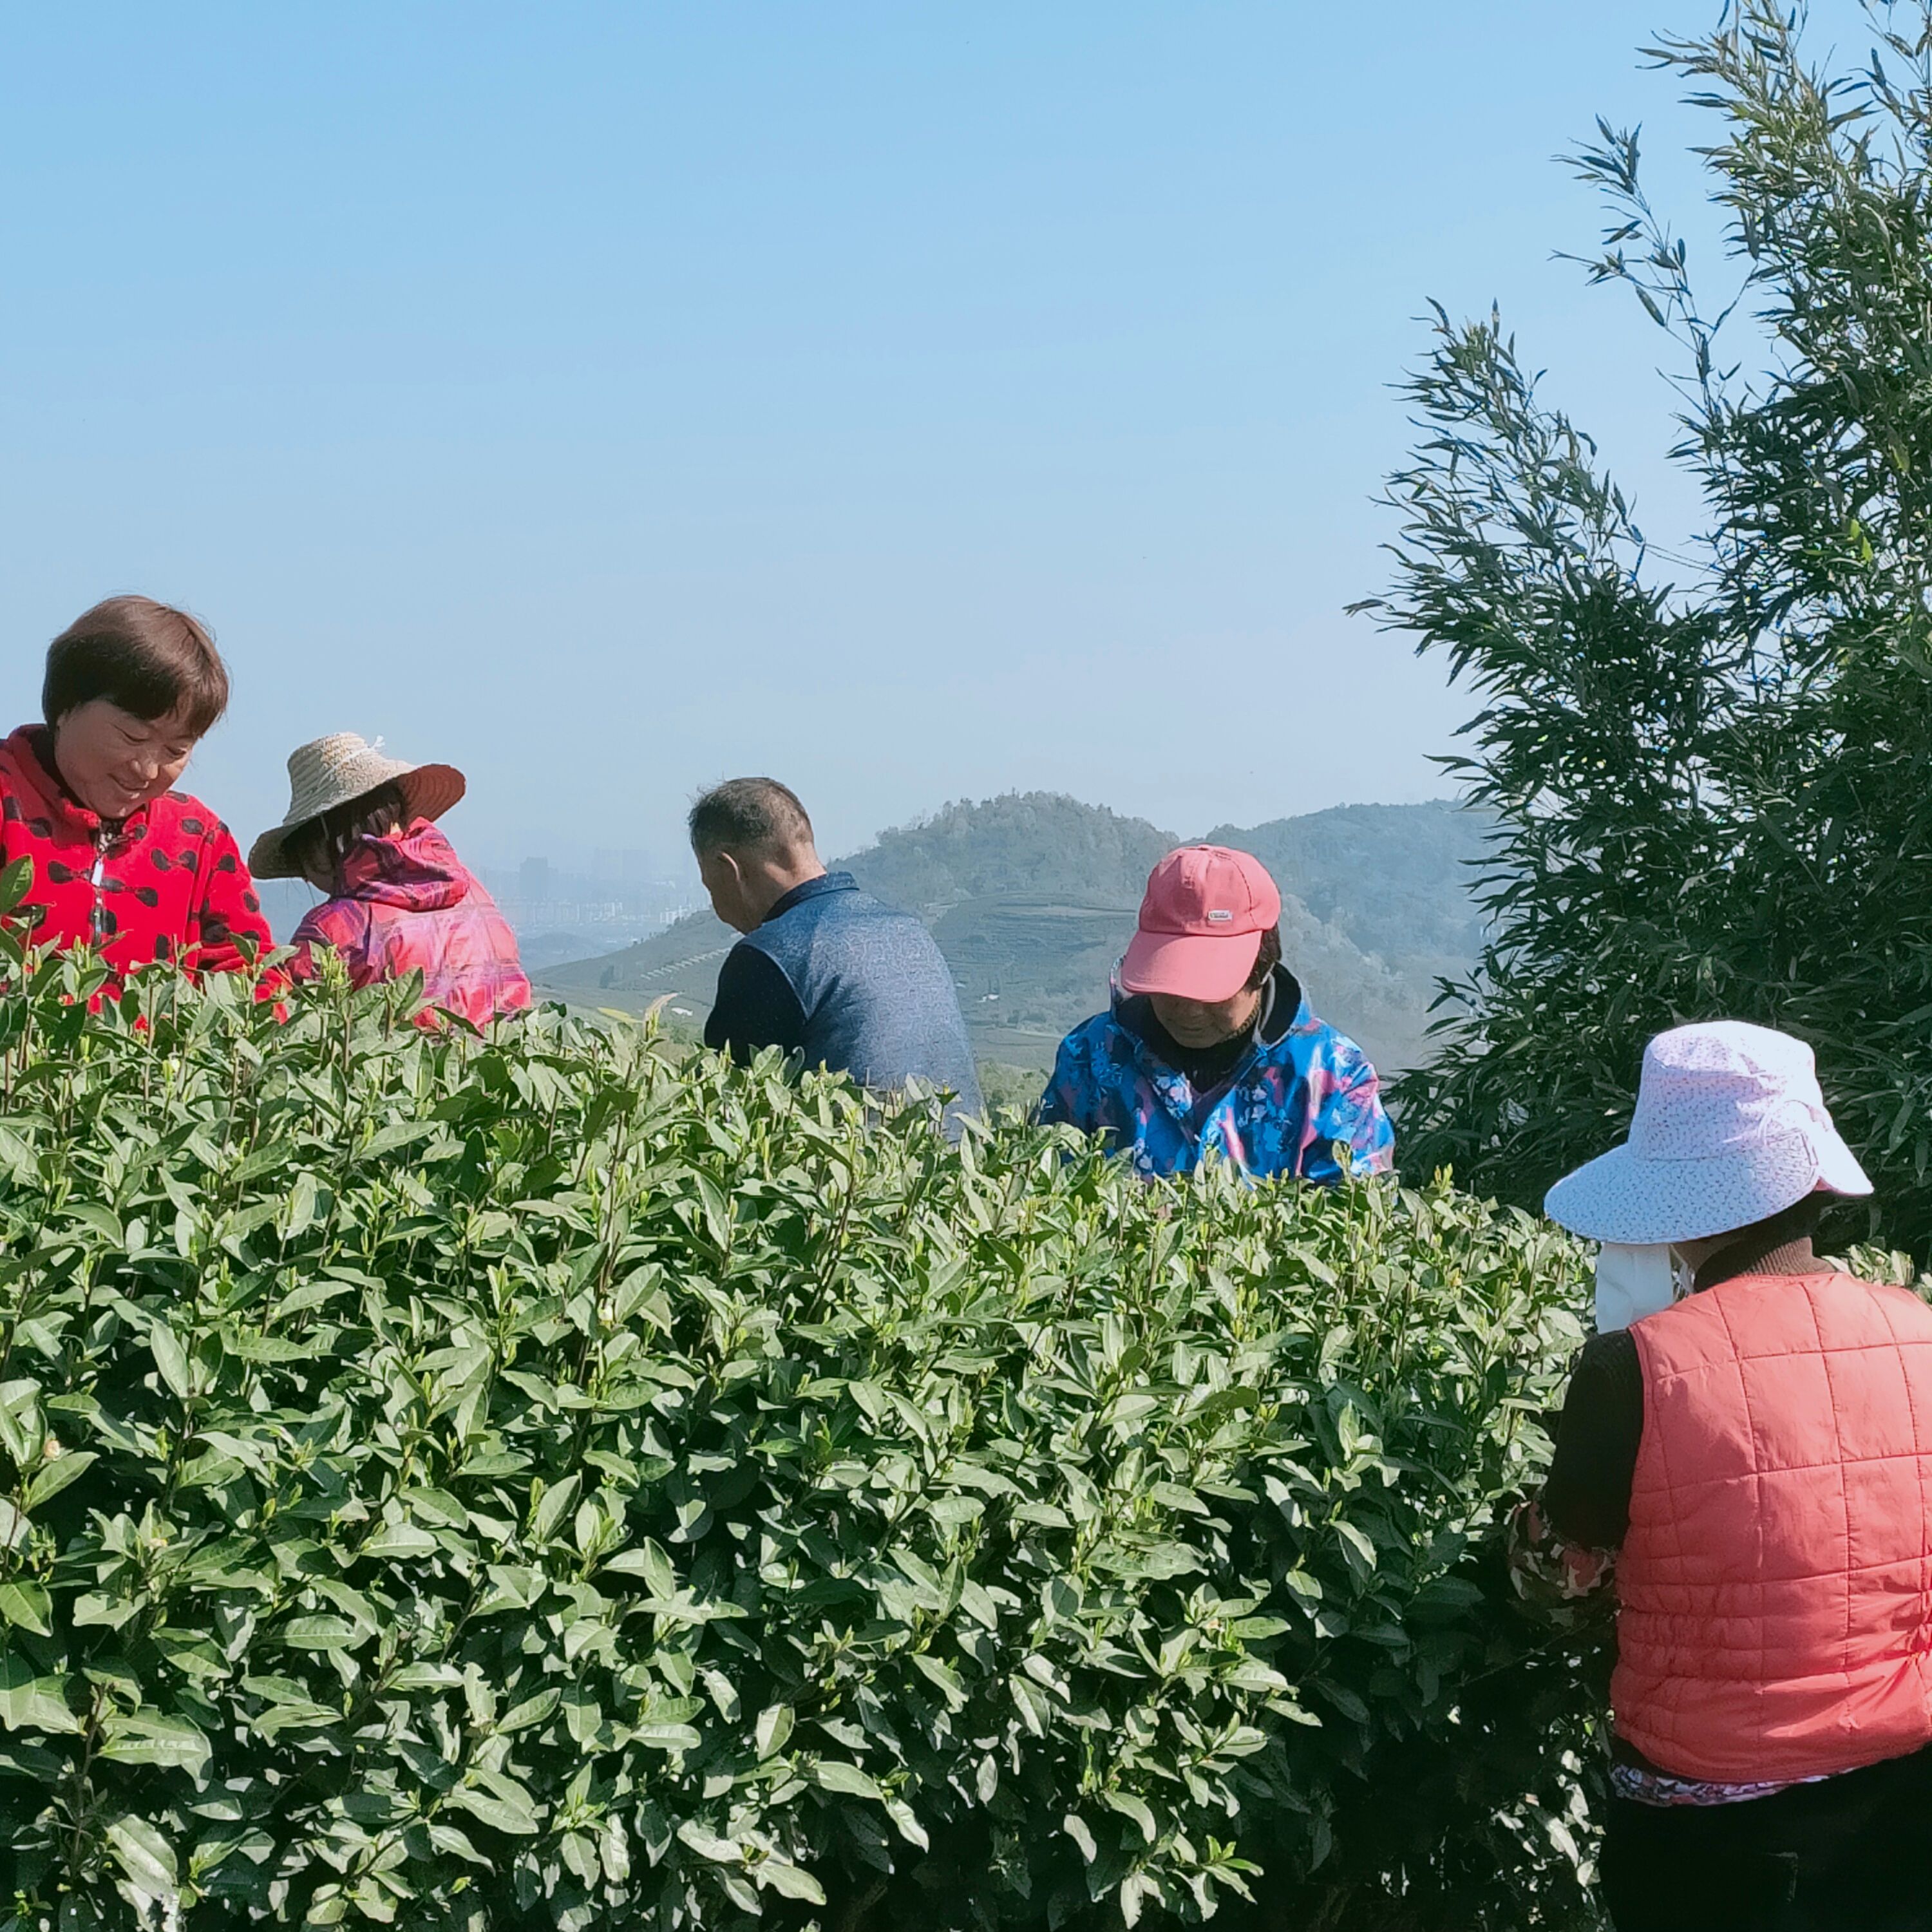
(115, 762)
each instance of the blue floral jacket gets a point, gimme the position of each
(1286, 1105)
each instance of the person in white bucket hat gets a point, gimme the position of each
(360, 828)
(1730, 1126)
(1758, 1455)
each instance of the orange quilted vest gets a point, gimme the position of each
(1775, 1592)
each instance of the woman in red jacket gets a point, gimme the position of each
(122, 862)
(1758, 1455)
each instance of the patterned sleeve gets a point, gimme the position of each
(1351, 1114)
(230, 912)
(342, 924)
(1067, 1101)
(1546, 1569)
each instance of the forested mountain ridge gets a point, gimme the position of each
(1032, 898)
(1037, 843)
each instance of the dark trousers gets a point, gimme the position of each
(1853, 1852)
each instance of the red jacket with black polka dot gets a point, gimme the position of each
(167, 883)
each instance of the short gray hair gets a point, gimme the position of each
(749, 815)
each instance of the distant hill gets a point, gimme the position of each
(1396, 878)
(1041, 844)
(1032, 898)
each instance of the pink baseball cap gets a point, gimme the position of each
(1202, 921)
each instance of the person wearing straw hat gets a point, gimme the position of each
(360, 828)
(1758, 1454)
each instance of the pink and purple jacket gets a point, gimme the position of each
(1301, 1089)
(410, 905)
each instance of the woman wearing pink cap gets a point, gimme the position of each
(1759, 1454)
(1209, 1047)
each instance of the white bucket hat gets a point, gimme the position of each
(328, 771)
(1729, 1127)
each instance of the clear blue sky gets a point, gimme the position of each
(912, 402)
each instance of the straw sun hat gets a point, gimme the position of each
(1730, 1127)
(331, 771)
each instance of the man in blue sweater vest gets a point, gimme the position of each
(824, 971)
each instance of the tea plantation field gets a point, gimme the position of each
(544, 1481)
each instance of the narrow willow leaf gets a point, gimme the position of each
(1137, 1889)
(452, 1843)
(739, 1890)
(301, 1210)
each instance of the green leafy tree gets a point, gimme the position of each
(1712, 771)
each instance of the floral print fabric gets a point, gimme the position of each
(1288, 1106)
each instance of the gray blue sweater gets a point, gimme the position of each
(844, 982)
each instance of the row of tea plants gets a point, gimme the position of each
(533, 1481)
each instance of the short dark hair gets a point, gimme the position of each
(320, 844)
(1266, 960)
(749, 815)
(149, 658)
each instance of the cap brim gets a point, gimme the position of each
(1620, 1197)
(1190, 966)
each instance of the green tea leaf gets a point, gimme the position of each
(52, 1478)
(27, 1605)
(31, 1702)
(170, 1358)
(773, 1727)
(829, 1774)
(144, 1856)
(147, 1737)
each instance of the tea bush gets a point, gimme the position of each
(529, 1481)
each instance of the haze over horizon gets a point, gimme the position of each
(917, 406)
